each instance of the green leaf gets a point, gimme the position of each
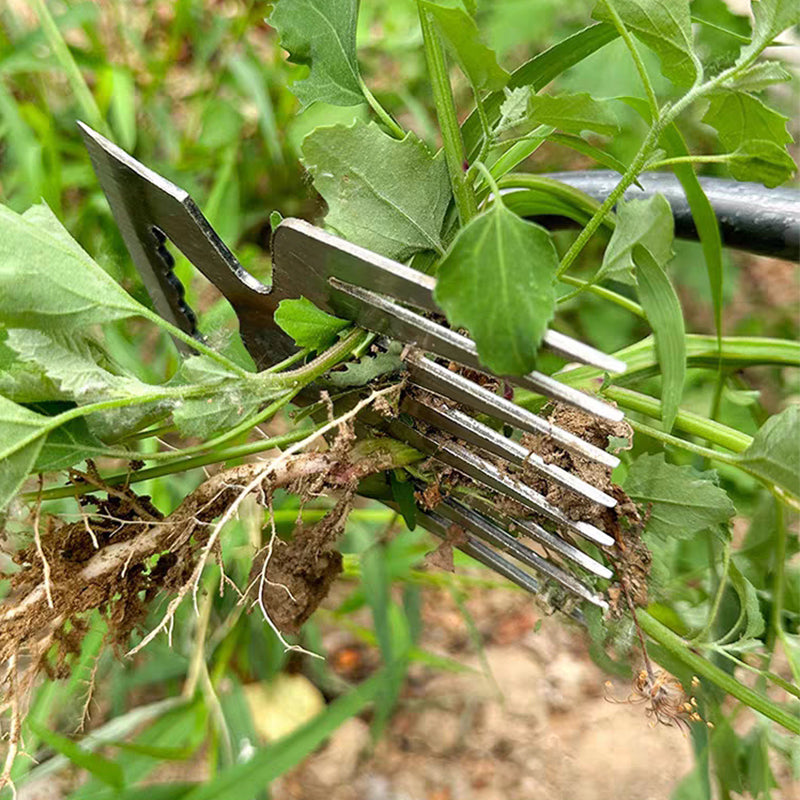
(48, 282)
(67, 445)
(321, 35)
(681, 500)
(740, 119)
(665, 26)
(748, 600)
(463, 40)
(648, 223)
(514, 109)
(774, 455)
(70, 361)
(308, 325)
(497, 280)
(19, 446)
(663, 309)
(403, 494)
(107, 771)
(772, 17)
(761, 160)
(759, 76)
(233, 402)
(367, 368)
(573, 113)
(249, 778)
(395, 212)
(705, 220)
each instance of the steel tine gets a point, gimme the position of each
(486, 530)
(485, 473)
(462, 426)
(473, 547)
(429, 375)
(536, 532)
(377, 313)
(574, 350)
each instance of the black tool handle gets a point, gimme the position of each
(751, 217)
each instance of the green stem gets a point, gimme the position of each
(668, 162)
(690, 447)
(722, 583)
(680, 649)
(599, 216)
(382, 113)
(686, 421)
(637, 59)
(490, 181)
(178, 465)
(606, 294)
(76, 81)
(452, 142)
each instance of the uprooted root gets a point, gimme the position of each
(124, 553)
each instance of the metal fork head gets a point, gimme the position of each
(388, 298)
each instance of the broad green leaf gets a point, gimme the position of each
(761, 160)
(497, 280)
(232, 403)
(308, 325)
(19, 446)
(663, 309)
(48, 282)
(774, 454)
(395, 212)
(759, 76)
(322, 35)
(740, 119)
(681, 500)
(665, 26)
(772, 17)
(573, 113)
(67, 445)
(463, 39)
(249, 778)
(70, 361)
(748, 601)
(648, 223)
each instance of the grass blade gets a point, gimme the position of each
(663, 309)
(78, 85)
(244, 780)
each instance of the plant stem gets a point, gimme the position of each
(452, 142)
(606, 294)
(637, 59)
(677, 647)
(722, 583)
(597, 219)
(686, 421)
(485, 126)
(76, 81)
(668, 162)
(690, 447)
(178, 465)
(385, 117)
